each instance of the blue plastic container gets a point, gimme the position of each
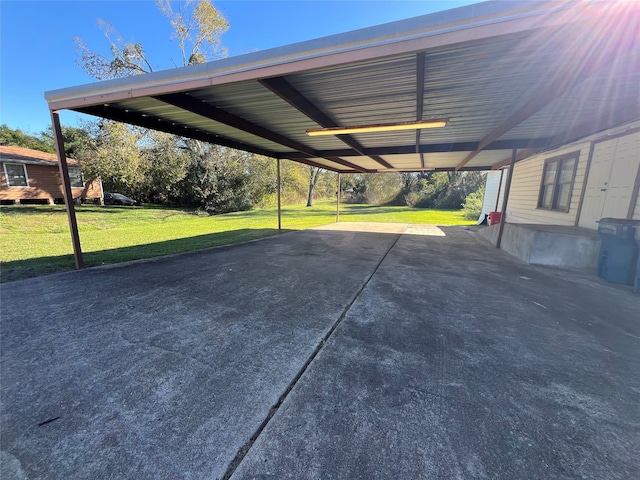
(618, 250)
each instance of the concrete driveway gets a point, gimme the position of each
(349, 351)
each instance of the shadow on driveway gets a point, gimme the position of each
(33, 267)
(327, 353)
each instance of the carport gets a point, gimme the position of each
(473, 88)
(419, 353)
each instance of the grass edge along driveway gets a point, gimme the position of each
(35, 240)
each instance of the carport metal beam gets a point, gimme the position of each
(66, 185)
(428, 148)
(499, 190)
(634, 195)
(279, 186)
(338, 201)
(191, 104)
(157, 123)
(293, 97)
(153, 123)
(505, 200)
(204, 109)
(521, 156)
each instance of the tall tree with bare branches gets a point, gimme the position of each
(314, 175)
(197, 26)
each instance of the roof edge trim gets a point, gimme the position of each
(305, 55)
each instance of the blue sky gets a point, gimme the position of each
(37, 50)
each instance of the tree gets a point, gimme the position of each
(416, 189)
(262, 179)
(126, 58)
(18, 138)
(372, 188)
(75, 139)
(114, 155)
(147, 164)
(144, 163)
(164, 164)
(217, 180)
(314, 175)
(472, 206)
(447, 189)
(197, 26)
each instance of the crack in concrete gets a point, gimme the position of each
(244, 450)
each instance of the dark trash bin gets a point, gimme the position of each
(618, 250)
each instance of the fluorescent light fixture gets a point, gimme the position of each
(383, 127)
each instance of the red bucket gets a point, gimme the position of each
(494, 218)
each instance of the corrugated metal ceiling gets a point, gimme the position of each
(484, 80)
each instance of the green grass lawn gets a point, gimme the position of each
(35, 240)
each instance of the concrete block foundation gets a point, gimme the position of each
(559, 246)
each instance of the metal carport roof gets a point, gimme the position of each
(508, 76)
(511, 78)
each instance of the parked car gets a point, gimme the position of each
(118, 199)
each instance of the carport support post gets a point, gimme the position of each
(68, 196)
(499, 188)
(278, 183)
(338, 201)
(505, 200)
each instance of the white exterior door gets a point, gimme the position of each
(613, 171)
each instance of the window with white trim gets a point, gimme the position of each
(75, 175)
(16, 174)
(556, 187)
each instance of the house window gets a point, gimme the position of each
(75, 175)
(16, 175)
(557, 182)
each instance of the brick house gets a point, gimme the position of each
(31, 176)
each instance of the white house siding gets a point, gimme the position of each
(525, 189)
(491, 187)
(525, 186)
